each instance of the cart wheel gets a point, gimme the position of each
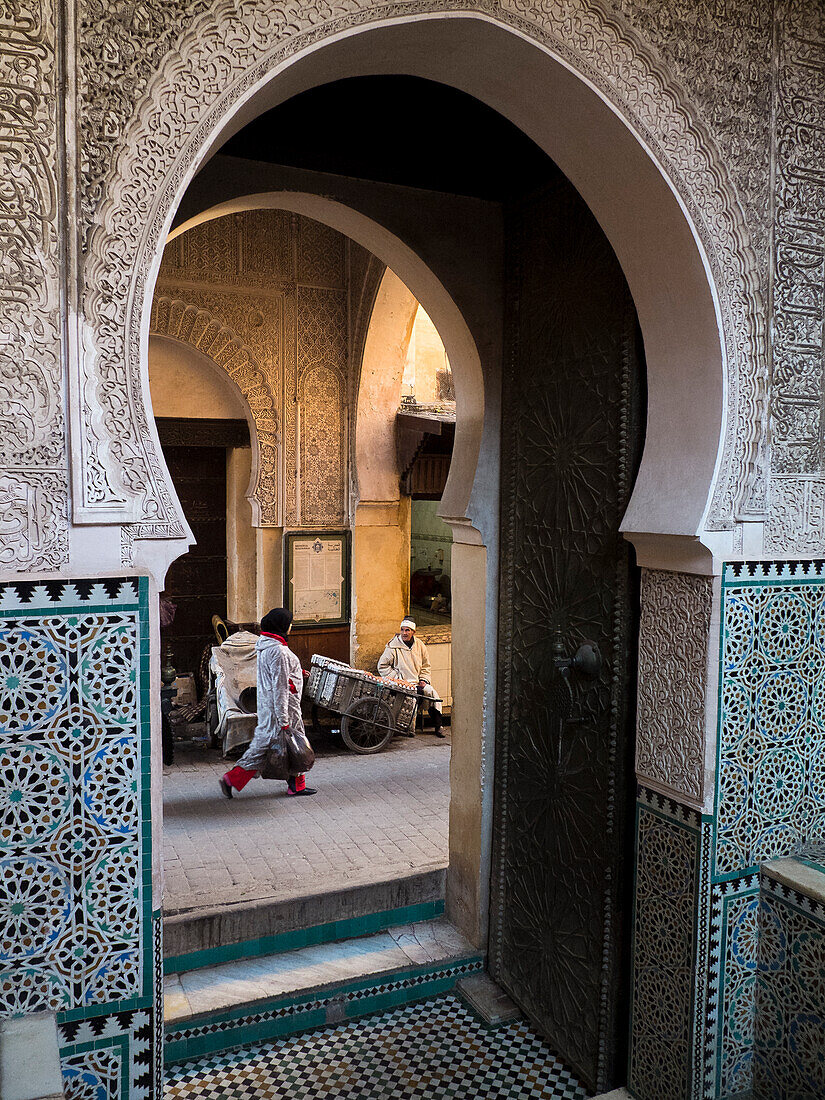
(367, 726)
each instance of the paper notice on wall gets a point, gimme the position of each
(317, 579)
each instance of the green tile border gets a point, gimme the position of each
(280, 942)
(309, 1012)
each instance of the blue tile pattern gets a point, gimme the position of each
(75, 824)
(771, 777)
(790, 1051)
(431, 1050)
(770, 798)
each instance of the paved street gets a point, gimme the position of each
(374, 817)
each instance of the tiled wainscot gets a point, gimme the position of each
(700, 908)
(77, 934)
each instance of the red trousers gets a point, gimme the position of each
(238, 778)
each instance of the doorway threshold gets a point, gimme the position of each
(206, 937)
(236, 1003)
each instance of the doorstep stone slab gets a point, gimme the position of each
(798, 875)
(246, 981)
(207, 929)
(427, 941)
(175, 1001)
(487, 999)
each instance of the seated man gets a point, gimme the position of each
(406, 658)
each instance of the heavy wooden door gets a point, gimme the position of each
(196, 582)
(571, 438)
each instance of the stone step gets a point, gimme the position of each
(204, 937)
(251, 1000)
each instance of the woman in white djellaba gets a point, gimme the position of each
(280, 684)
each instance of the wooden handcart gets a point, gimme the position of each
(372, 710)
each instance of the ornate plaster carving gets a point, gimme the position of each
(673, 654)
(188, 63)
(722, 53)
(320, 255)
(33, 521)
(323, 457)
(253, 249)
(318, 439)
(264, 295)
(187, 322)
(33, 480)
(796, 523)
(646, 92)
(796, 517)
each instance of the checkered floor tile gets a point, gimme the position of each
(430, 1051)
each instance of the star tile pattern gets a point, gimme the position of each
(789, 1058)
(668, 844)
(770, 799)
(431, 1050)
(771, 791)
(76, 934)
(735, 936)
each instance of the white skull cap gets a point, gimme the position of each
(408, 622)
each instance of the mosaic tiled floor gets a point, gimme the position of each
(429, 1051)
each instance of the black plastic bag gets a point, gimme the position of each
(300, 753)
(276, 761)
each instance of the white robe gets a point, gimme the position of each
(412, 663)
(280, 683)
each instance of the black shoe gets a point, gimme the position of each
(226, 787)
(438, 732)
(306, 790)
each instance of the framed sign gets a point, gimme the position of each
(316, 583)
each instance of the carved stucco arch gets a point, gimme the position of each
(429, 291)
(199, 329)
(223, 72)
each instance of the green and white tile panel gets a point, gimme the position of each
(76, 933)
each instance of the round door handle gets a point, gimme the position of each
(587, 660)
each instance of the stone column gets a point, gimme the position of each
(241, 539)
(381, 576)
(467, 886)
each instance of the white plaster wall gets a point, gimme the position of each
(184, 383)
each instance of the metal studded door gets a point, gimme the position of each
(572, 431)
